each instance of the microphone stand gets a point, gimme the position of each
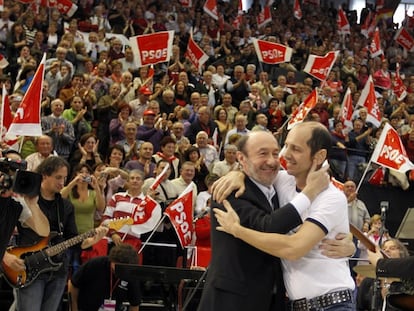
(377, 282)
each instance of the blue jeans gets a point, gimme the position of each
(44, 294)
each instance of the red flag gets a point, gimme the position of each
(369, 101)
(347, 109)
(6, 120)
(297, 11)
(399, 88)
(342, 23)
(379, 4)
(272, 53)
(63, 6)
(403, 38)
(375, 47)
(186, 3)
(1, 5)
(210, 7)
(159, 178)
(26, 121)
(195, 54)
(320, 66)
(366, 25)
(264, 17)
(237, 22)
(377, 178)
(3, 62)
(302, 111)
(152, 48)
(146, 216)
(180, 213)
(390, 151)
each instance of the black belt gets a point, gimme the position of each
(322, 301)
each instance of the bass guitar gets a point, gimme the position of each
(38, 258)
(402, 301)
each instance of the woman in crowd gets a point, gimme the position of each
(87, 151)
(167, 153)
(201, 171)
(79, 116)
(116, 126)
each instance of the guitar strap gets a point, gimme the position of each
(60, 211)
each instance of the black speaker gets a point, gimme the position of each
(28, 183)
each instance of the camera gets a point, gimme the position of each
(87, 179)
(23, 182)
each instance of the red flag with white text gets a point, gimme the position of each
(152, 48)
(272, 53)
(302, 111)
(320, 66)
(297, 11)
(210, 7)
(63, 6)
(342, 22)
(195, 54)
(264, 17)
(146, 216)
(26, 121)
(180, 213)
(347, 109)
(399, 88)
(365, 27)
(369, 101)
(390, 151)
(6, 120)
(403, 38)
(377, 178)
(375, 46)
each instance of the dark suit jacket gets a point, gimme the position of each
(240, 277)
(196, 127)
(398, 267)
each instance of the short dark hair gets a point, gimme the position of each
(51, 165)
(123, 253)
(320, 137)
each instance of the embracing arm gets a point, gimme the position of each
(284, 246)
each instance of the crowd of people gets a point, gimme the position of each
(116, 127)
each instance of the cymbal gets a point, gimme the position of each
(365, 270)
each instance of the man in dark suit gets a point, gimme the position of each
(241, 277)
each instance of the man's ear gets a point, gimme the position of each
(240, 157)
(320, 156)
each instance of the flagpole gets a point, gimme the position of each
(363, 175)
(152, 233)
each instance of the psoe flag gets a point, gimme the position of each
(272, 53)
(320, 66)
(195, 54)
(390, 151)
(403, 38)
(152, 48)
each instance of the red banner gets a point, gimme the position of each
(152, 48)
(390, 151)
(264, 17)
(210, 7)
(369, 101)
(26, 121)
(63, 6)
(342, 22)
(146, 216)
(375, 47)
(302, 111)
(297, 11)
(403, 38)
(320, 66)
(180, 213)
(195, 54)
(186, 3)
(399, 88)
(272, 53)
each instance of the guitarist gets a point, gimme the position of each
(46, 291)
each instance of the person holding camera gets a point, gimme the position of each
(86, 195)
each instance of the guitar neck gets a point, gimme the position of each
(60, 247)
(364, 239)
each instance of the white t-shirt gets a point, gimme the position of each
(315, 274)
